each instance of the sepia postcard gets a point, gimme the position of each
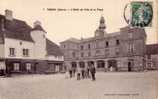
(78, 49)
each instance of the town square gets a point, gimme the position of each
(78, 50)
(110, 85)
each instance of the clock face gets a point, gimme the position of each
(141, 14)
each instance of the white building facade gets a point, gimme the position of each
(25, 49)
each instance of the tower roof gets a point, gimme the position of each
(102, 23)
(102, 20)
(101, 29)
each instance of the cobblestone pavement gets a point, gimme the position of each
(111, 85)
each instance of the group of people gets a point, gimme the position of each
(82, 73)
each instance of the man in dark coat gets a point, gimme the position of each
(93, 71)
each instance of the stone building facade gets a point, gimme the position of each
(120, 51)
(152, 56)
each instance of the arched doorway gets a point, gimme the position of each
(129, 66)
(130, 63)
(74, 67)
(112, 64)
(81, 64)
(73, 64)
(100, 64)
(90, 63)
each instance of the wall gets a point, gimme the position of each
(1, 50)
(14, 43)
(55, 58)
(40, 44)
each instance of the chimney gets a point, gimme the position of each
(8, 14)
(37, 23)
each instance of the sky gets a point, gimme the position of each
(62, 25)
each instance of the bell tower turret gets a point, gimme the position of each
(100, 32)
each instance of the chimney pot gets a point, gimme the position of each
(8, 14)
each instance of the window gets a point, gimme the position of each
(16, 66)
(64, 46)
(20, 43)
(131, 48)
(89, 46)
(81, 47)
(106, 52)
(117, 42)
(107, 43)
(28, 66)
(81, 64)
(82, 54)
(12, 51)
(25, 52)
(100, 64)
(89, 53)
(97, 52)
(73, 54)
(44, 36)
(117, 51)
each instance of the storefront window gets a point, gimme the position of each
(16, 66)
(28, 66)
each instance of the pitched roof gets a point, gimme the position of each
(152, 49)
(53, 49)
(39, 27)
(15, 29)
(73, 40)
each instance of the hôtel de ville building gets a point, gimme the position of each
(124, 50)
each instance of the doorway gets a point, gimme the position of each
(112, 65)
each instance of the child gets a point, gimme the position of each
(67, 75)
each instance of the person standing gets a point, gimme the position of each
(88, 76)
(87, 72)
(70, 71)
(93, 71)
(83, 72)
(73, 71)
(78, 73)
